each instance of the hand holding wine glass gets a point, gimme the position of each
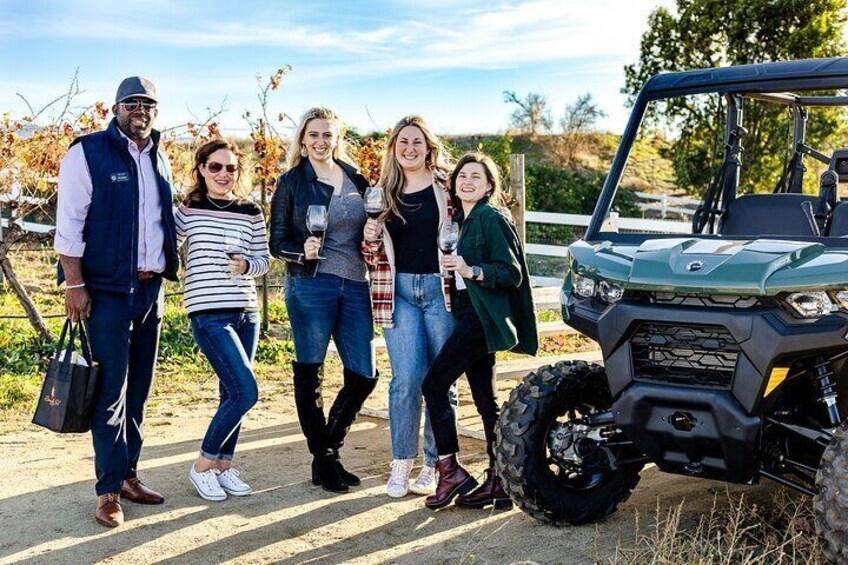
(448, 239)
(374, 206)
(234, 248)
(316, 223)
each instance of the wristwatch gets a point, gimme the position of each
(476, 272)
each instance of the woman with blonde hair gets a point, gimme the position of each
(410, 299)
(317, 218)
(226, 246)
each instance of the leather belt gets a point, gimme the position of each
(146, 275)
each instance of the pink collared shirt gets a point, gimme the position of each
(75, 188)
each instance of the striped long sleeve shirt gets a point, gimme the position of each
(207, 229)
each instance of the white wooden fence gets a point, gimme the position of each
(614, 223)
(665, 204)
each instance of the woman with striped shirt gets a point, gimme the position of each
(226, 246)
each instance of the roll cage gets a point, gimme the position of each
(780, 83)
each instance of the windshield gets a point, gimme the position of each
(741, 165)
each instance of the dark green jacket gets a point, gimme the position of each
(502, 299)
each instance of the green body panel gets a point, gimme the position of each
(749, 267)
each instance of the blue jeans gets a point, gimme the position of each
(229, 340)
(326, 305)
(124, 334)
(422, 325)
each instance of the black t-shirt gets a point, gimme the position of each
(415, 242)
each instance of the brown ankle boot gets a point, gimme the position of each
(109, 511)
(453, 480)
(490, 492)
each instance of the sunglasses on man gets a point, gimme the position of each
(215, 168)
(133, 105)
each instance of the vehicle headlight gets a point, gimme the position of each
(842, 299)
(811, 304)
(610, 292)
(583, 286)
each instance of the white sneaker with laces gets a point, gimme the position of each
(232, 484)
(207, 485)
(398, 485)
(425, 484)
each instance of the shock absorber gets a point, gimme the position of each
(822, 377)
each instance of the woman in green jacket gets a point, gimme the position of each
(494, 312)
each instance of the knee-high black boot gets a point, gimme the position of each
(310, 413)
(343, 413)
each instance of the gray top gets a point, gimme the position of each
(342, 242)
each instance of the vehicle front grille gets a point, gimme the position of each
(702, 356)
(703, 300)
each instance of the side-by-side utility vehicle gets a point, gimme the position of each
(725, 348)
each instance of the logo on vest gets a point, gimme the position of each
(120, 177)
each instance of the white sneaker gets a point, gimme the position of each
(206, 484)
(398, 484)
(232, 484)
(425, 484)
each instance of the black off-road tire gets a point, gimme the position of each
(521, 447)
(831, 502)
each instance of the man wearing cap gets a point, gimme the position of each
(116, 240)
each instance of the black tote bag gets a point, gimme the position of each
(67, 395)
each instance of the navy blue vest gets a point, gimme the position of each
(110, 260)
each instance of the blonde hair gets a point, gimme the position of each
(495, 196)
(318, 113)
(392, 178)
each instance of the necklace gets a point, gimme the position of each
(329, 179)
(218, 206)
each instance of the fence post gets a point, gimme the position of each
(2, 280)
(516, 186)
(264, 325)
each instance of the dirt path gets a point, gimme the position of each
(47, 502)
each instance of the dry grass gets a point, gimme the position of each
(734, 532)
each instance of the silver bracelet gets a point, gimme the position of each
(73, 286)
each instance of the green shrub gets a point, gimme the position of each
(18, 392)
(275, 351)
(552, 189)
(176, 339)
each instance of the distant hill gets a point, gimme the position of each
(647, 169)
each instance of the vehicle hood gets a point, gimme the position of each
(759, 266)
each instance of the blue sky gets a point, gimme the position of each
(372, 61)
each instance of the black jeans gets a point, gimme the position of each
(464, 352)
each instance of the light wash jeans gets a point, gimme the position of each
(421, 327)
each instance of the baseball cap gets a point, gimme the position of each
(135, 86)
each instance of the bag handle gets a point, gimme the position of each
(61, 343)
(84, 343)
(66, 367)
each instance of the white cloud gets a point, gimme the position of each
(504, 35)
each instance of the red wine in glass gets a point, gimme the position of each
(448, 240)
(316, 222)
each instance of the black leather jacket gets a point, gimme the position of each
(296, 190)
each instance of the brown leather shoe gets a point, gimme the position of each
(135, 491)
(490, 492)
(109, 511)
(453, 480)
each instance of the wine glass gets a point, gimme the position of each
(374, 203)
(233, 243)
(448, 240)
(316, 223)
